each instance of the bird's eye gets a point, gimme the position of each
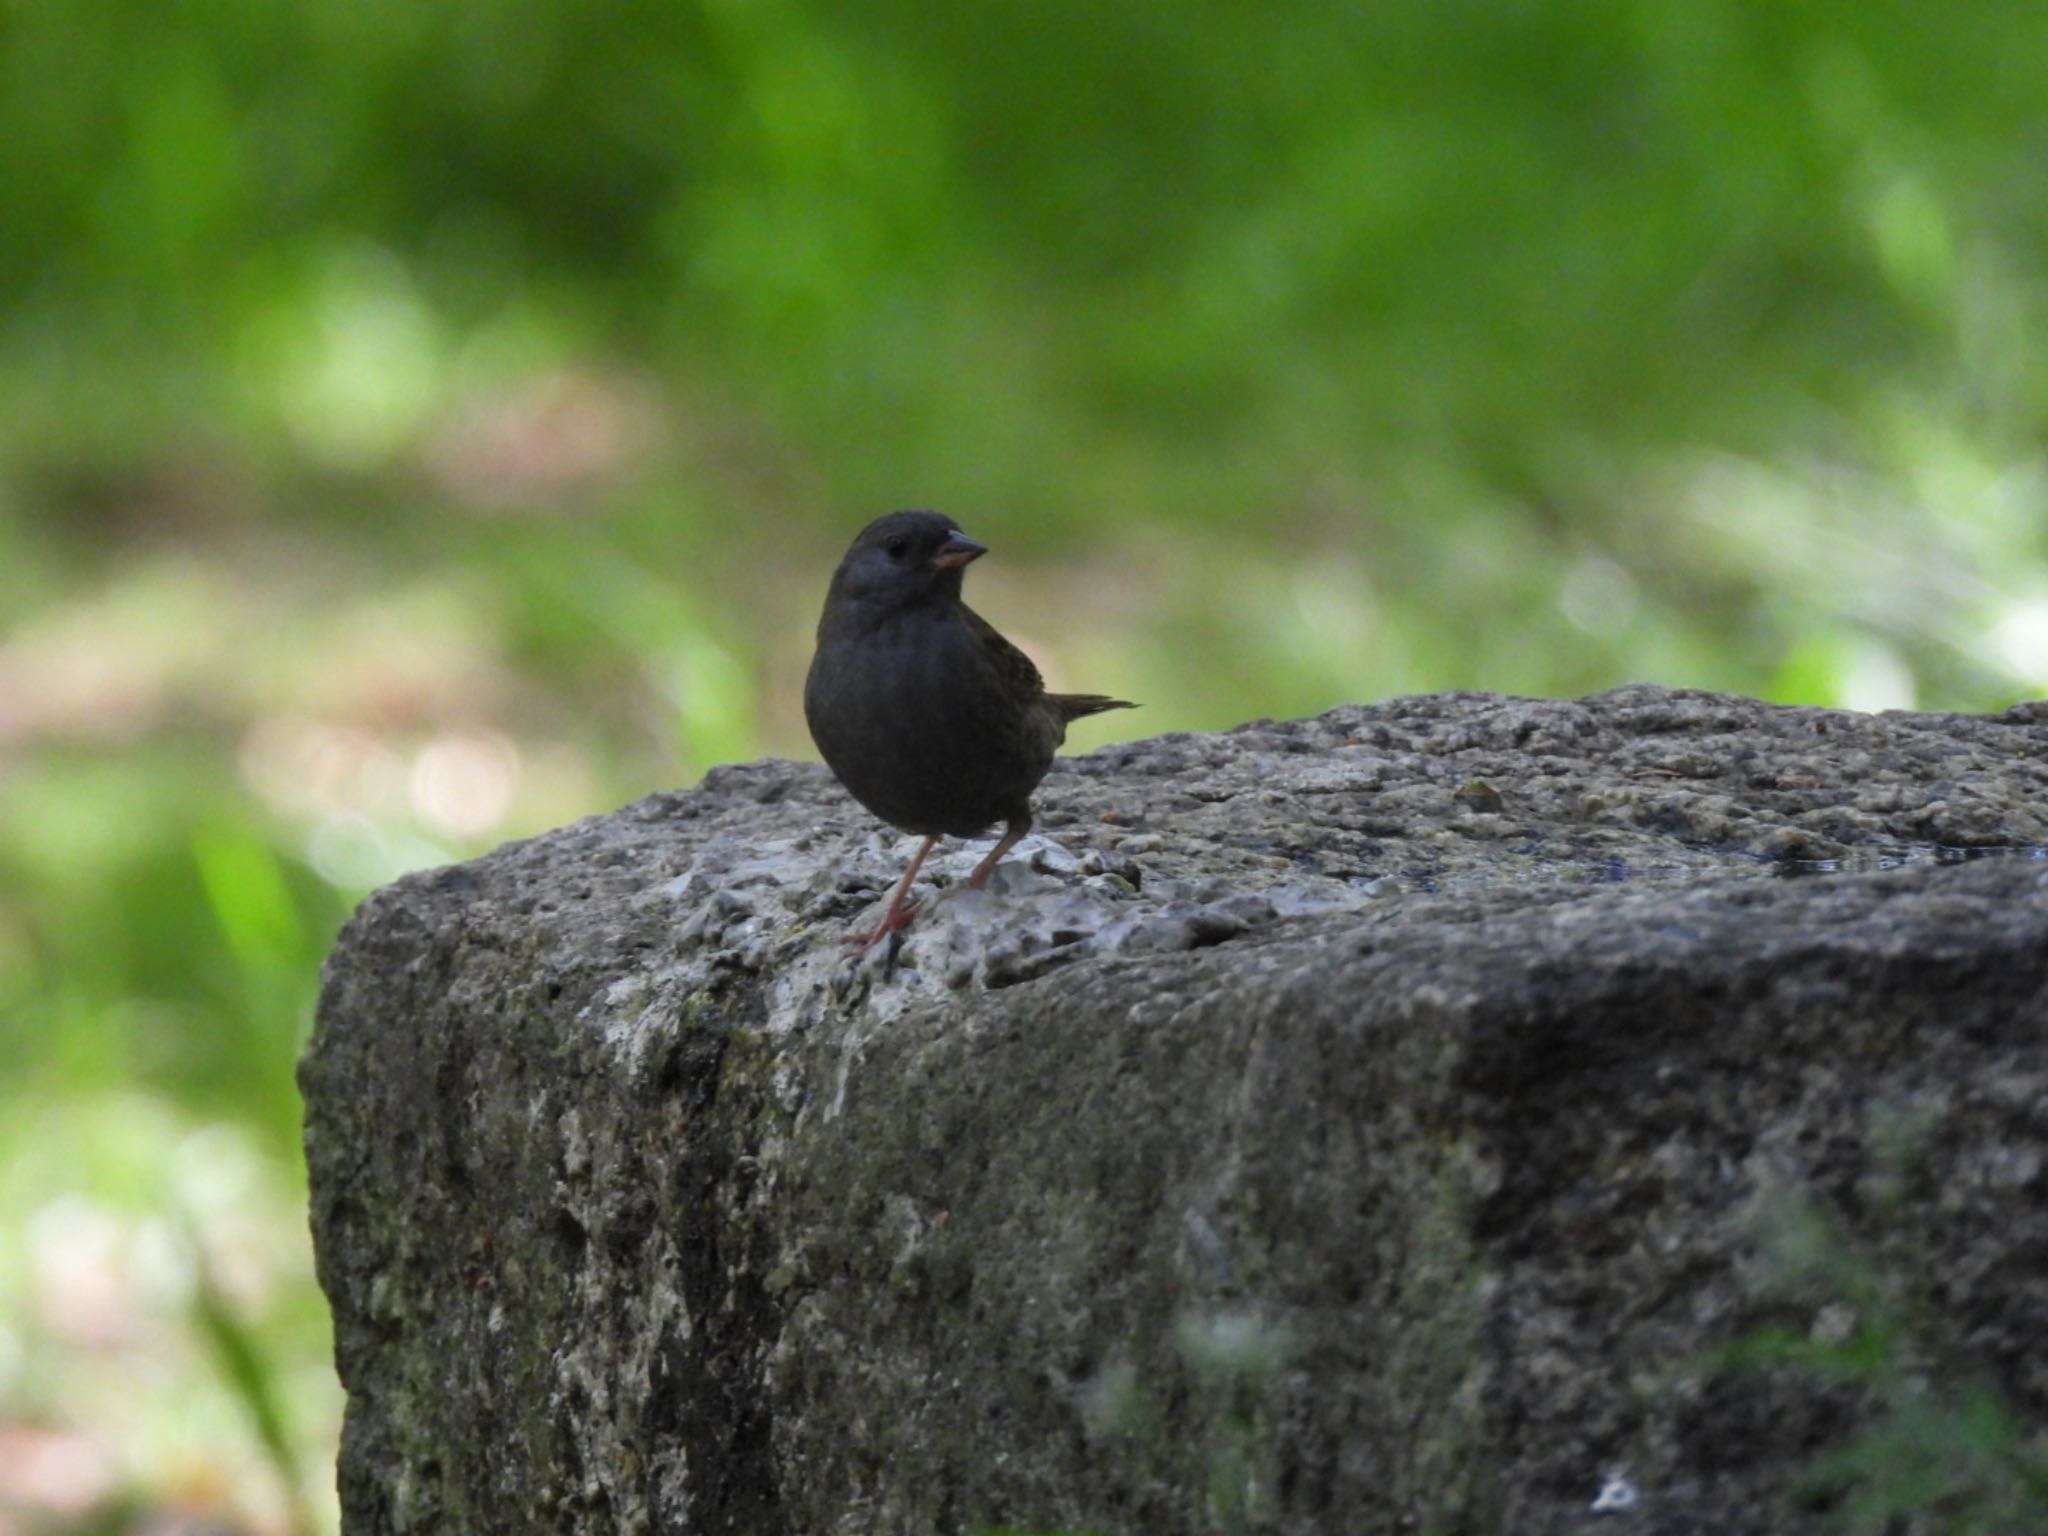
(896, 546)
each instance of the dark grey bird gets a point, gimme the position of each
(931, 719)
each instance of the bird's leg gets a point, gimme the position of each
(1017, 827)
(899, 911)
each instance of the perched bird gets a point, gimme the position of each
(930, 718)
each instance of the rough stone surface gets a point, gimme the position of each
(1388, 1121)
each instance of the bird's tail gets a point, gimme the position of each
(1072, 706)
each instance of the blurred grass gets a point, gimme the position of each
(423, 425)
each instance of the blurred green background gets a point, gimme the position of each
(424, 424)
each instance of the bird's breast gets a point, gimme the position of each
(916, 724)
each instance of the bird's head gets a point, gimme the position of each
(906, 559)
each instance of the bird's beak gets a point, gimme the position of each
(957, 551)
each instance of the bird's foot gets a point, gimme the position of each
(895, 920)
(987, 867)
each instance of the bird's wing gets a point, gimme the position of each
(1016, 671)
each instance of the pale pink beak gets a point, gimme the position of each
(957, 551)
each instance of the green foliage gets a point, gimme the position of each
(245, 1365)
(1226, 1362)
(1938, 1447)
(421, 425)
